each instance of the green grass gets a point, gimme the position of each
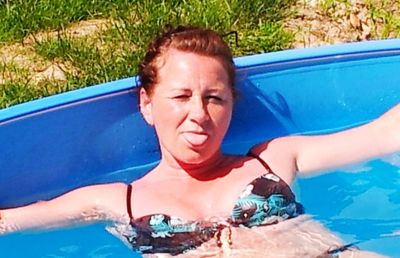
(382, 12)
(23, 17)
(115, 52)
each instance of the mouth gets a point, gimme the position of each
(195, 139)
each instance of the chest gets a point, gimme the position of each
(194, 199)
(190, 201)
(186, 201)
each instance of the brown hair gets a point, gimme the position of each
(189, 39)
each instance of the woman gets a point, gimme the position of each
(211, 203)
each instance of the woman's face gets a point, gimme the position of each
(191, 106)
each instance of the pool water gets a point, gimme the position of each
(360, 203)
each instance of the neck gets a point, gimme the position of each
(207, 170)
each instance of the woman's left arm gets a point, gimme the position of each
(374, 139)
(305, 154)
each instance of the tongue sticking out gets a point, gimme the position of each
(195, 139)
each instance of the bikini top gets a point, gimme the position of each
(266, 200)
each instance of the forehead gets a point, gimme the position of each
(177, 65)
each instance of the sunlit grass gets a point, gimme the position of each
(387, 14)
(20, 18)
(115, 51)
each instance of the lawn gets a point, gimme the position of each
(52, 46)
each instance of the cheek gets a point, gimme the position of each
(222, 117)
(167, 113)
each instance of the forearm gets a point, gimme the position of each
(43, 215)
(16, 220)
(88, 204)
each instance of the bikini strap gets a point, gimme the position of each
(265, 165)
(128, 201)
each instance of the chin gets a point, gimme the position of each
(195, 158)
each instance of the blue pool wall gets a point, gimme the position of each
(55, 144)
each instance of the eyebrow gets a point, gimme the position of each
(183, 89)
(217, 90)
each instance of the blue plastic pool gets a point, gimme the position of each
(97, 135)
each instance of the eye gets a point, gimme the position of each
(215, 98)
(181, 97)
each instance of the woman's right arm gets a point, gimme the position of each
(86, 204)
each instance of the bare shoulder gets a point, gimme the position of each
(285, 144)
(108, 189)
(280, 155)
(108, 198)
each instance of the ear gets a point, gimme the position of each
(145, 106)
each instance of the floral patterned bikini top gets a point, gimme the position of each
(266, 200)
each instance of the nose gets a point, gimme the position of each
(198, 110)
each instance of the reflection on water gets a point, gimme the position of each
(359, 203)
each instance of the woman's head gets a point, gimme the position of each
(190, 39)
(187, 93)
